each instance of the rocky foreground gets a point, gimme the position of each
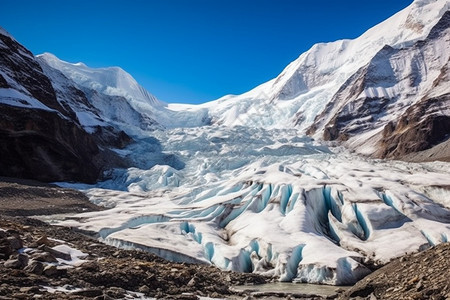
(98, 271)
(423, 275)
(38, 260)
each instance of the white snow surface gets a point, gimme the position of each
(17, 98)
(75, 254)
(250, 192)
(307, 84)
(105, 87)
(113, 81)
(270, 201)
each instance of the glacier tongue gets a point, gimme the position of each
(250, 192)
(270, 201)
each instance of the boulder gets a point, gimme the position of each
(17, 263)
(35, 267)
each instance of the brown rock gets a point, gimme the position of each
(5, 250)
(43, 240)
(144, 289)
(17, 263)
(89, 293)
(44, 257)
(20, 296)
(15, 242)
(50, 270)
(116, 292)
(55, 253)
(90, 266)
(35, 267)
(30, 290)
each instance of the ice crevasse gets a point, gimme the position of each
(323, 219)
(245, 190)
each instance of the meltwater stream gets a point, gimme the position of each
(268, 201)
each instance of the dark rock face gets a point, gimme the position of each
(420, 128)
(19, 64)
(44, 141)
(43, 146)
(401, 97)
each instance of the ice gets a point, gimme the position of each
(14, 97)
(312, 217)
(236, 183)
(76, 255)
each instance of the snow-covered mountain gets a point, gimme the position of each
(118, 99)
(310, 84)
(63, 121)
(236, 183)
(314, 92)
(396, 104)
(40, 137)
(256, 195)
(104, 100)
(114, 97)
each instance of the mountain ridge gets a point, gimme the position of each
(300, 96)
(235, 182)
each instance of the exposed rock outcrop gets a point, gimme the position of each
(396, 105)
(40, 135)
(40, 144)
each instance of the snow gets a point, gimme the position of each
(75, 254)
(16, 98)
(235, 183)
(308, 215)
(112, 81)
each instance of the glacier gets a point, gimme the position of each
(236, 183)
(273, 202)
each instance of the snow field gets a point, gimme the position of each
(235, 183)
(303, 216)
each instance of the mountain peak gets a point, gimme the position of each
(421, 3)
(113, 81)
(5, 33)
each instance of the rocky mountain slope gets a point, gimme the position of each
(41, 134)
(39, 138)
(398, 103)
(359, 91)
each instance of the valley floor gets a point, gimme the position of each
(105, 272)
(20, 197)
(110, 273)
(268, 201)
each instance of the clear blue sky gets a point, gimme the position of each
(190, 51)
